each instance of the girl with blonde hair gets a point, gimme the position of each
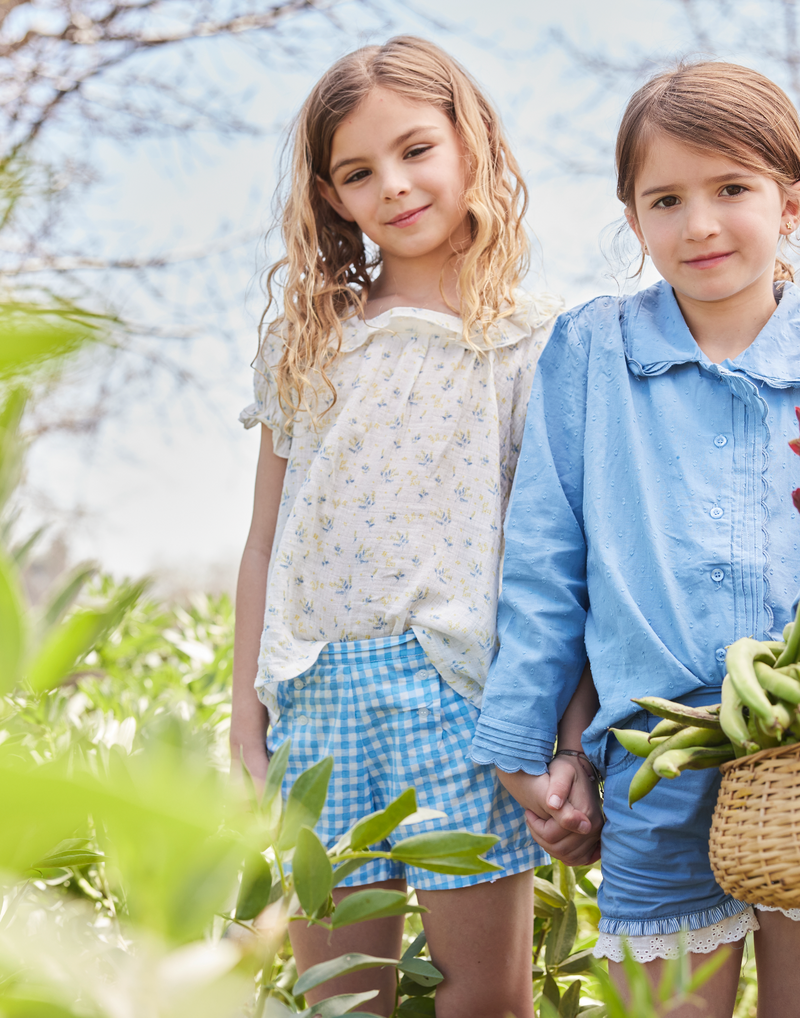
(391, 386)
(652, 523)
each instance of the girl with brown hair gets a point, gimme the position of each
(651, 522)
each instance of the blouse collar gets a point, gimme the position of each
(531, 312)
(657, 338)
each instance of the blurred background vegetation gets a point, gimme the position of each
(139, 150)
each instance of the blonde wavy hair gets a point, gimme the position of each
(718, 107)
(326, 272)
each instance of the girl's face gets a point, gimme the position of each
(399, 170)
(710, 225)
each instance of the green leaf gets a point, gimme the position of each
(594, 1011)
(63, 646)
(570, 1001)
(19, 1007)
(68, 590)
(707, 970)
(537, 972)
(333, 1007)
(421, 971)
(417, 1007)
(582, 961)
(564, 880)
(21, 552)
(65, 859)
(313, 873)
(408, 988)
(414, 947)
(255, 887)
(371, 904)
(562, 935)
(348, 867)
(551, 992)
(275, 774)
(447, 852)
(376, 827)
(11, 446)
(31, 335)
(540, 910)
(305, 801)
(547, 893)
(547, 1009)
(340, 966)
(12, 625)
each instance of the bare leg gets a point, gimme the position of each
(714, 999)
(481, 938)
(777, 946)
(380, 937)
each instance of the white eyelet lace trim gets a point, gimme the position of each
(668, 945)
(790, 913)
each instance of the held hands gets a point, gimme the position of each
(563, 809)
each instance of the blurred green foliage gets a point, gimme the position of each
(135, 881)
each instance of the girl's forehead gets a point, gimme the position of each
(384, 119)
(673, 159)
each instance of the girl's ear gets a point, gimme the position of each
(633, 222)
(791, 208)
(328, 192)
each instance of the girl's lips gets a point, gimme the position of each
(408, 218)
(709, 261)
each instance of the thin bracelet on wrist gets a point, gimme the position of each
(594, 776)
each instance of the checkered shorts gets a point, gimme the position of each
(381, 710)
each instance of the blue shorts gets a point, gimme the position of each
(656, 875)
(389, 721)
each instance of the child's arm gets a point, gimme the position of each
(564, 812)
(248, 714)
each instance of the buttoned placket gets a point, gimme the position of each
(747, 562)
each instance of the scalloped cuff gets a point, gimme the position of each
(511, 747)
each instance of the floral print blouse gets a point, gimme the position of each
(392, 508)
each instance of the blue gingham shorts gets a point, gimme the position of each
(381, 710)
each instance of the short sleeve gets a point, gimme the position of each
(267, 407)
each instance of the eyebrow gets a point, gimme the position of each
(663, 188)
(401, 140)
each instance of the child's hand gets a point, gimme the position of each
(562, 810)
(570, 828)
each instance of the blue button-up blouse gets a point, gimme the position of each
(651, 521)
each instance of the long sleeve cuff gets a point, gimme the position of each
(510, 747)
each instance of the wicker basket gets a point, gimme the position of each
(754, 844)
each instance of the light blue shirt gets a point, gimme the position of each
(651, 521)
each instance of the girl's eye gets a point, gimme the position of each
(354, 177)
(733, 190)
(417, 150)
(669, 201)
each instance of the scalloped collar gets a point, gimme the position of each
(657, 338)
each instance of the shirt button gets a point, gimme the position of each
(717, 575)
(423, 712)
(720, 440)
(716, 513)
(298, 684)
(720, 654)
(302, 719)
(424, 673)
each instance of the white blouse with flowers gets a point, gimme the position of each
(392, 508)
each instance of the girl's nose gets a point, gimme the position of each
(394, 185)
(700, 222)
